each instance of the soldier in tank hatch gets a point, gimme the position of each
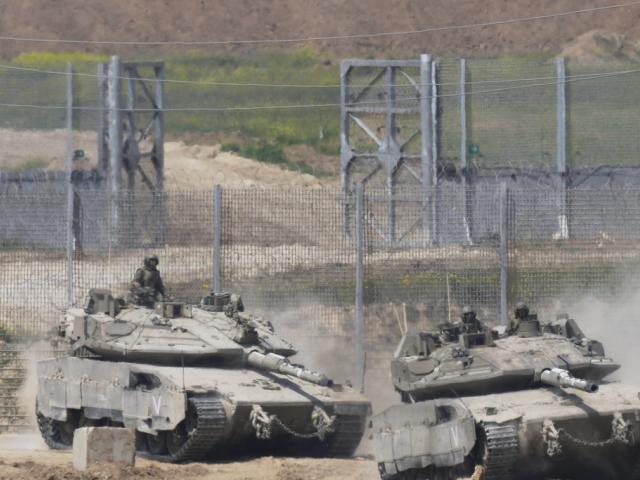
(470, 321)
(147, 287)
(520, 314)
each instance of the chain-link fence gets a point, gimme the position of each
(288, 253)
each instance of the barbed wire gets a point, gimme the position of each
(321, 37)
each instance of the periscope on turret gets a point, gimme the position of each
(526, 402)
(193, 381)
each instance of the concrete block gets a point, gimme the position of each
(103, 444)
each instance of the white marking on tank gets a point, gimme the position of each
(157, 403)
(299, 373)
(454, 437)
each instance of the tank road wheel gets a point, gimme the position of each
(56, 434)
(204, 427)
(156, 444)
(346, 437)
(88, 422)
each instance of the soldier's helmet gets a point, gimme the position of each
(152, 259)
(468, 314)
(522, 311)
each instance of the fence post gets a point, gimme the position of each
(426, 155)
(435, 147)
(217, 237)
(463, 151)
(114, 139)
(359, 320)
(504, 252)
(70, 188)
(561, 145)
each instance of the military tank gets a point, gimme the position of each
(532, 403)
(193, 381)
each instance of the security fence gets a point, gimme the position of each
(342, 295)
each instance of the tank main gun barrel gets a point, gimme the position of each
(560, 377)
(279, 364)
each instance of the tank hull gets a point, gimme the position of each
(522, 434)
(216, 408)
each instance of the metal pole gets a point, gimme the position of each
(115, 137)
(463, 151)
(217, 237)
(391, 127)
(435, 151)
(102, 133)
(561, 145)
(345, 150)
(504, 251)
(158, 148)
(359, 326)
(70, 189)
(426, 147)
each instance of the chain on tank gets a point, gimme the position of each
(263, 424)
(551, 436)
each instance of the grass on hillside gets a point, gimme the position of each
(510, 123)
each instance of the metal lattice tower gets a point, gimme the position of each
(388, 131)
(131, 135)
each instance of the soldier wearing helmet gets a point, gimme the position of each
(147, 287)
(520, 314)
(470, 321)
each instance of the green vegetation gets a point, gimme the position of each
(266, 152)
(511, 123)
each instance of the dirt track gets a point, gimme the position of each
(25, 457)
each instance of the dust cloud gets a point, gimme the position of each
(26, 397)
(616, 324)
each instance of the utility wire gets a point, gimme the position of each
(302, 85)
(325, 37)
(304, 106)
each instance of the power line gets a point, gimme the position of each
(319, 105)
(321, 38)
(302, 85)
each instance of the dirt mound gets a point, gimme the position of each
(202, 166)
(191, 167)
(598, 46)
(191, 20)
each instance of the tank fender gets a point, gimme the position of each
(57, 392)
(438, 432)
(151, 402)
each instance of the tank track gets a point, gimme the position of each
(210, 430)
(54, 433)
(501, 450)
(349, 430)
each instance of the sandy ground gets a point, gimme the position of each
(25, 456)
(187, 167)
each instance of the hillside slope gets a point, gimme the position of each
(256, 19)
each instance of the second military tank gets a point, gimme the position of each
(529, 403)
(194, 382)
